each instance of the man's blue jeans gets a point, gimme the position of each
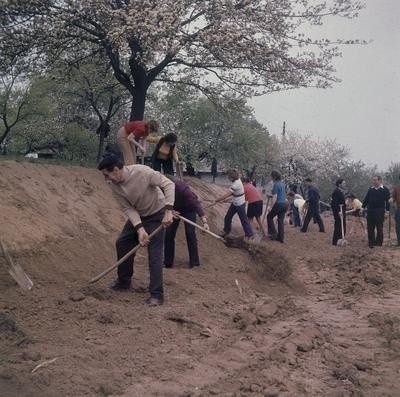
(241, 211)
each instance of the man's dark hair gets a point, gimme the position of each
(109, 163)
(308, 180)
(351, 196)
(378, 176)
(170, 138)
(276, 176)
(290, 194)
(339, 182)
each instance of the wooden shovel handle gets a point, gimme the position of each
(201, 228)
(126, 256)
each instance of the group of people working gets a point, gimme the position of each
(136, 134)
(154, 205)
(375, 207)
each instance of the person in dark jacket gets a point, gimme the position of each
(338, 199)
(313, 207)
(188, 205)
(376, 202)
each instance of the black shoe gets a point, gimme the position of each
(371, 246)
(154, 301)
(192, 266)
(168, 266)
(118, 285)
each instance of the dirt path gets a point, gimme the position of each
(331, 329)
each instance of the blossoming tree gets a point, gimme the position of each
(249, 46)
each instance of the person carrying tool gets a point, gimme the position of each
(338, 204)
(396, 203)
(254, 203)
(312, 202)
(132, 135)
(376, 202)
(238, 206)
(165, 153)
(278, 208)
(146, 197)
(187, 205)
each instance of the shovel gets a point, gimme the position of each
(16, 271)
(342, 242)
(215, 203)
(126, 256)
(179, 170)
(229, 241)
(266, 209)
(389, 242)
(199, 227)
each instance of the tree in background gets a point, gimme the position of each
(323, 160)
(249, 46)
(92, 97)
(392, 174)
(224, 129)
(14, 103)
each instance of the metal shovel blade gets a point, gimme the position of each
(16, 271)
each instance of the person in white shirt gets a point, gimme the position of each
(354, 207)
(238, 205)
(296, 203)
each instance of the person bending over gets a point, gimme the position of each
(186, 204)
(133, 135)
(165, 153)
(146, 198)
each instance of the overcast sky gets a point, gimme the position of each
(363, 111)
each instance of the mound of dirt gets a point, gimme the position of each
(296, 319)
(270, 264)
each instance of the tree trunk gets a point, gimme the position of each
(138, 104)
(3, 138)
(102, 136)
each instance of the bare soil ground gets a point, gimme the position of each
(296, 319)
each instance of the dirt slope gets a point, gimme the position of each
(330, 329)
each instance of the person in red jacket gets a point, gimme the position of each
(254, 203)
(131, 134)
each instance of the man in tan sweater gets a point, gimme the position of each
(147, 198)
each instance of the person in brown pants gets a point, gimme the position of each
(131, 134)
